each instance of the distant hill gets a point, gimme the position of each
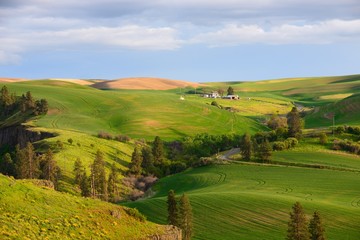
(144, 83)
(346, 112)
(10, 80)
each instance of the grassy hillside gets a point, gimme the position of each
(245, 201)
(346, 113)
(30, 212)
(140, 114)
(309, 91)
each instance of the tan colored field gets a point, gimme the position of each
(12, 79)
(77, 81)
(144, 83)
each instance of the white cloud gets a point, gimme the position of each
(331, 31)
(9, 58)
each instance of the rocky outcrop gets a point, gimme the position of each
(171, 233)
(11, 136)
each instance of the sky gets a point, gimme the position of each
(193, 40)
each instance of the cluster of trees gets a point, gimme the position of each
(347, 129)
(97, 185)
(261, 149)
(180, 216)
(27, 164)
(289, 126)
(10, 103)
(147, 160)
(300, 229)
(347, 145)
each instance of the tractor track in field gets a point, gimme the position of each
(286, 191)
(222, 177)
(356, 202)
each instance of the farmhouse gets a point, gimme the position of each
(211, 95)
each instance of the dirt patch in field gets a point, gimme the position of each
(144, 83)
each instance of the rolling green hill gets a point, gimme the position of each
(249, 201)
(346, 112)
(32, 212)
(140, 114)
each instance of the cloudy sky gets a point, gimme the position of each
(195, 40)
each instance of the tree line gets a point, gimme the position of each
(26, 104)
(27, 164)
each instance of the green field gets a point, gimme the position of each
(241, 201)
(230, 201)
(139, 114)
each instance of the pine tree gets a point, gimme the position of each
(316, 228)
(172, 209)
(79, 170)
(148, 160)
(27, 162)
(246, 147)
(136, 160)
(158, 151)
(85, 185)
(7, 166)
(113, 190)
(294, 122)
(98, 177)
(264, 151)
(297, 226)
(185, 217)
(49, 168)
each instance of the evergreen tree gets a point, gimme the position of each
(5, 98)
(246, 147)
(147, 163)
(113, 180)
(49, 168)
(7, 165)
(79, 170)
(230, 91)
(29, 101)
(27, 162)
(323, 138)
(85, 185)
(98, 177)
(185, 217)
(294, 122)
(297, 226)
(264, 151)
(316, 228)
(136, 160)
(158, 151)
(172, 209)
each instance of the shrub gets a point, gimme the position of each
(347, 145)
(279, 146)
(105, 135)
(122, 138)
(70, 141)
(292, 142)
(133, 212)
(323, 138)
(214, 103)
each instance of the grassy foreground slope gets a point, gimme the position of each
(253, 201)
(138, 113)
(30, 212)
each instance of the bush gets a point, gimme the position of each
(133, 212)
(122, 138)
(105, 135)
(347, 145)
(70, 141)
(279, 146)
(214, 103)
(323, 138)
(292, 142)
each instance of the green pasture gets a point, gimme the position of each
(139, 114)
(251, 201)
